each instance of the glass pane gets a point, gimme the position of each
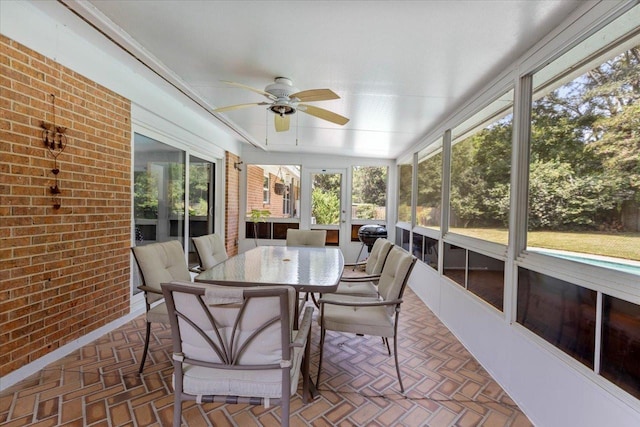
(480, 173)
(425, 249)
(455, 263)
(158, 194)
(430, 252)
(620, 361)
(562, 313)
(428, 206)
(369, 192)
(584, 183)
(325, 198)
(485, 278)
(201, 199)
(404, 192)
(273, 191)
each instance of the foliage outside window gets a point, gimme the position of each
(325, 198)
(405, 178)
(428, 205)
(480, 173)
(274, 189)
(200, 172)
(584, 181)
(369, 192)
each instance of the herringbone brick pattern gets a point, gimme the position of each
(98, 385)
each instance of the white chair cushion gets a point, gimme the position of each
(367, 289)
(378, 256)
(200, 380)
(161, 263)
(210, 249)
(358, 320)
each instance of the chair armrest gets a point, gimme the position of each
(369, 278)
(355, 264)
(304, 328)
(149, 289)
(359, 302)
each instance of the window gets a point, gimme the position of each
(402, 238)
(480, 274)
(405, 174)
(562, 313)
(326, 196)
(584, 172)
(273, 191)
(621, 344)
(429, 184)
(480, 173)
(201, 201)
(425, 249)
(266, 192)
(369, 193)
(159, 193)
(286, 201)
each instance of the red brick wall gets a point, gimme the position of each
(65, 272)
(255, 183)
(232, 203)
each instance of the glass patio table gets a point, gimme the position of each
(307, 269)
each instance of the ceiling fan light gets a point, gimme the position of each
(282, 110)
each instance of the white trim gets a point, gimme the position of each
(41, 363)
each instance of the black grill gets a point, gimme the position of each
(368, 234)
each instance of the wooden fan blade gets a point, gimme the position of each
(282, 123)
(315, 95)
(238, 106)
(323, 114)
(252, 89)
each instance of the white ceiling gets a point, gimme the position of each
(398, 66)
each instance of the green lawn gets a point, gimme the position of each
(617, 245)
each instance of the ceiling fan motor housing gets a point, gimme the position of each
(282, 88)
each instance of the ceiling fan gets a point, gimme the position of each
(285, 99)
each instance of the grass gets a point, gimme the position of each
(617, 245)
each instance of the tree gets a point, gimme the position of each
(145, 195)
(586, 147)
(370, 185)
(325, 207)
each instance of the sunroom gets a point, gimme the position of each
(518, 192)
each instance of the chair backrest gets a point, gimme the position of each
(160, 263)
(231, 327)
(378, 256)
(297, 237)
(395, 274)
(210, 250)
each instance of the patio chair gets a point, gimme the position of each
(158, 263)
(364, 283)
(210, 250)
(316, 238)
(367, 316)
(237, 345)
